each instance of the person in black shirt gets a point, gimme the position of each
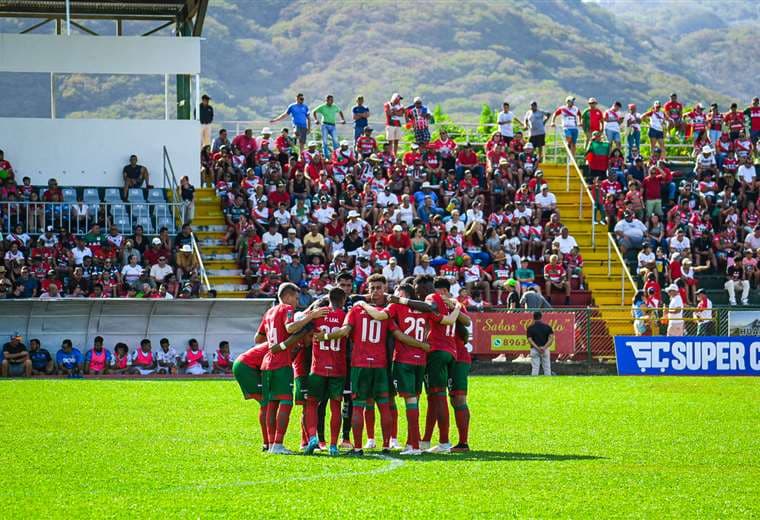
(134, 175)
(206, 117)
(42, 361)
(540, 336)
(16, 358)
(513, 299)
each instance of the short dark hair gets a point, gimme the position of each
(121, 346)
(66, 342)
(537, 316)
(224, 344)
(98, 339)
(336, 296)
(285, 288)
(407, 289)
(144, 342)
(441, 283)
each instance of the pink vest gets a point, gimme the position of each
(97, 360)
(120, 362)
(221, 359)
(143, 358)
(194, 357)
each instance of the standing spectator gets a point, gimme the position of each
(597, 155)
(394, 115)
(737, 280)
(68, 359)
(674, 113)
(16, 360)
(735, 121)
(535, 121)
(194, 359)
(206, 116)
(329, 112)
(612, 120)
(42, 361)
(632, 122)
(360, 116)
(299, 115)
(657, 119)
(652, 185)
(6, 170)
(752, 113)
(704, 316)
(675, 311)
(592, 118)
(639, 313)
(532, 299)
(166, 358)
(540, 336)
(570, 122)
(98, 359)
(506, 120)
(134, 175)
(143, 361)
(187, 193)
(420, 119)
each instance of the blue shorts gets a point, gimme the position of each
(612, 135)
(655, 134)
(572, 133)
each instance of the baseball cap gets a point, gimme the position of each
(592, 100)
(569, 98)
(397, 228)
(344, 143)
(291, 231)
(512, 282)
(156, 241)
(672, 287)
(311, 143)
(425, 258)
(417, 99)
(266, 130)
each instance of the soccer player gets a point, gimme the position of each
(247, 372)
(276, 327)
(327, 377)
(369, 360)
(458, 389)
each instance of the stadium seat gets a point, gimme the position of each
(112, 195)
(123, 224)
(166, 222)
(69, 194)
(146, 224)
(162, 210)
(91, 196)
(118, 210)
(155, 195)
(136, 195)
(140, 211)
(93, 209)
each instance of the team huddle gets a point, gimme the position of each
(350, 353)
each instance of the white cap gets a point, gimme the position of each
(312, 143)
(529, 145)
(292, 230)
(156, 241)
(396, 95)
(266, 130)
(392, 260)
(426, 184)
(353, 214)
(415, 146)
(706, 149)
(672, 287)
(187, 248)
(344, 143)
(397, 228)
(418, 99)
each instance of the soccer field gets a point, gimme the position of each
(543, 447)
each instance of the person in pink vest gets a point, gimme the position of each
(97, 359)
(142, 360)
(194, 359)
(120, 359)
(222, 362)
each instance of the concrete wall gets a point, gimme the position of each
(129, 321)
(92, 152)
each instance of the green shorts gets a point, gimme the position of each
(369, 383)
(278, 384)
(302, 389)
(323, 388)
(459, 378)
(440, 368)
(249, 380)
(407, 379)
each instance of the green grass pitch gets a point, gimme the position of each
(543, 447)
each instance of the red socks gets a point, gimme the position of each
(442, 408)
(283, 418)
(263, 424)
(430, 418)
(413, 425)
(357, 425)
(394, 418)
(272, 420)
(335, 418)
(310, 415)
(462, 418)
(369, 421)
(386, 422)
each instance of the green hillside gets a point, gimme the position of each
(457, 54)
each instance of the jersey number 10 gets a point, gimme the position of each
(371, 330)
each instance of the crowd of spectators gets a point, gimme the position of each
(18, 359)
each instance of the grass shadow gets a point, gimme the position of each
(482, 456)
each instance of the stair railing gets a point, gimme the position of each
(199, 259)
(612, 245)
(572, 165)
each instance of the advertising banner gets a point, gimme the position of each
(688, 356)
(744, 323)
(504, 332)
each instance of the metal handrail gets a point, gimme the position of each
(611, 243)
(36, 216)
(570, 161)
(201, 267)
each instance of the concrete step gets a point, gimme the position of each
(211, 227)
(230, 294)
(224, 280)
(230, 287)
(202, 220)
(235, 272)
(219, 264)
(217, 252)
